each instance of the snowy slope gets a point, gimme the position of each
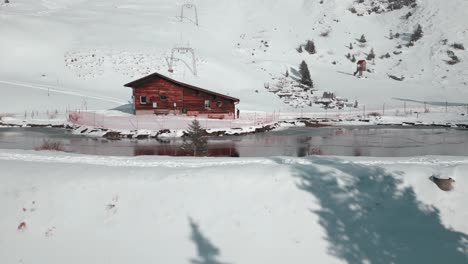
(88, 209)
(94, 47)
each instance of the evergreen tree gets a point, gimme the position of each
(363, 39)
(350, 46)
(286, 74)
(353, 59)
(371, 55)
(195, 139)
(417, 34)
(310, 47)
(305, 74)
(299, 49)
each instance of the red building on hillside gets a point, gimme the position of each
(159, 94)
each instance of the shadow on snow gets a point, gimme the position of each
(207, 252)
(373, 219)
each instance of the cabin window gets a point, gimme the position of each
(143, 100)
(219, 104)
(163, 97)
(207, 104)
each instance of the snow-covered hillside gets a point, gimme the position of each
(69, 53)
(63, 208)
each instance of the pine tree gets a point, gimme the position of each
(310, 47)
(417, 34)
(363, 39)
(195, 139)
(350, 46)
(286, 74)
(305, 74)
(371, 55)
(353, 59)
(299, 49)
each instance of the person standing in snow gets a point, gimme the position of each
(238, 113)
(361, 67)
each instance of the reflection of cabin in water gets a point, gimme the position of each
(159, 94)
(214, 150)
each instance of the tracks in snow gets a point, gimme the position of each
(64, 91)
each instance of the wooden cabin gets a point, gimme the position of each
(159, 94)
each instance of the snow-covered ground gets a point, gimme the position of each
(77, 54)
(58, 56)
(88, 209)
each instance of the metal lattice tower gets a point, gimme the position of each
(189, 7)
(182, 50)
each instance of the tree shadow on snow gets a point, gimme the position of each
(207, 252)
(373, 219)
(295, 74)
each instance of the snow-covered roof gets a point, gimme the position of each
(140, 82)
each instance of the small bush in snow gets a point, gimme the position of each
(385, 56)
(325, 33)
(48, 144)
(352, 10)
(417, 34)
(453, 58)
(350, 46)
(396, 78)
(362, 39)
(3, 115)
(310, 47)
(374, 114)
(458, 46)
(371, 55)
(408, 15)
(299, 49)
(353, 59)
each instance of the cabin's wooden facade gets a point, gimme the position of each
(158, 94)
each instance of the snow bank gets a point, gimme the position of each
(89, 209)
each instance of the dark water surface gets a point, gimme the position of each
(340, 141)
